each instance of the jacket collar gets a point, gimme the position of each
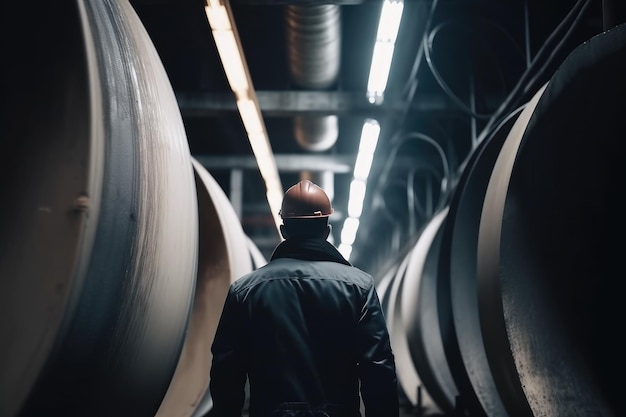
(310, 249)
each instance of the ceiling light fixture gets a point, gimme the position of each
(358, 186)
(231, 54)
(388, 26)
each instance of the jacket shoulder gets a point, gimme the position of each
(289, 268)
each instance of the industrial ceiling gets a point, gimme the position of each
(459, 68)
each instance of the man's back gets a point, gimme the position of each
(310, 331)
(302, 332)
(307, 329)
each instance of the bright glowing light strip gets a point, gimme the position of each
(389, 22)
(217, 15)
(357, 195)
(231, 54)
(379, 71)
(382, 55)
(345, 250)
(367, 146)
(233, 66)
(388, 25)
(252, 121)
(369, 136)
(363, 165)
(348, 232)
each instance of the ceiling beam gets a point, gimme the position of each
(291, 103)
(339, 164)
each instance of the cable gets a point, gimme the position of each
(397, 143)
(500, 125)
(409, 86)
(572, 17)
(428, 47)
(530, 86)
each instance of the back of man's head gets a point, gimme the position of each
(305, 211)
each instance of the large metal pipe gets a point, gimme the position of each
(419, 306)
(527, 300)
(100, 241)
(457, 287)
(551, 238)
(224, 256)
(410, 384)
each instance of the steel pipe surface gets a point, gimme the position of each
(551, 240)
(490, 306)
(409, 380)
(51, 182)
(223, 257)
(100, 242)
(418, 306)
(456, 284)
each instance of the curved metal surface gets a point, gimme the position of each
(419, 311)
(121, 334)
(383, 285)
(314, 52)
(561, 237)
(407, 375)
(408, 378)
(51, 177)
(457, 287)
(316, 133)
(490, 304)
(314, 44)
(223, 257)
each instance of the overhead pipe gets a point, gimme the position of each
(100, 240)
(314, 57)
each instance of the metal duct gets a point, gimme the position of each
(313, 48)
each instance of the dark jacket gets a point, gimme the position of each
(307, 329)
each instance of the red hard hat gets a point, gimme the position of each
(305, 200)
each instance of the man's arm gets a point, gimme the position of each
(228, 372)
(379, 383)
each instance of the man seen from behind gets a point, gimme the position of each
(306, 330)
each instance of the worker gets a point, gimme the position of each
(306, 331)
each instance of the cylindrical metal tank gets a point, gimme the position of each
(457, 287)
(100, 239)
(419, 306)
(224, 255)
(390, 290)
(551, 242)
(527, 293)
